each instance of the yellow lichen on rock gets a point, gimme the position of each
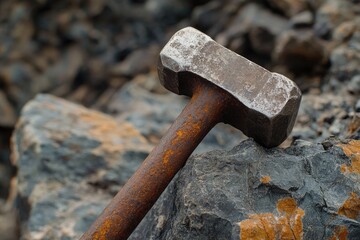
(352, 150)
(341, 233)
(265, 179)
(351, 207)
(109, 133)
(286, 225)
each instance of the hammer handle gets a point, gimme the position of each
(141, 191)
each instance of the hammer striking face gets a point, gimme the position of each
(266, 103)
(224, 87)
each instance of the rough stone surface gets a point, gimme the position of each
(8, 222)
(8, 116)
(325, 115)
(302, 192)
(289, 7)
(71, 162)
(85, 51)
(152, 109)
(300, 51)
(262, 31)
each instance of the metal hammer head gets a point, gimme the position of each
(266, 103)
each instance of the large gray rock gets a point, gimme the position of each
(71, 161)
(148, 106)
(302, 192)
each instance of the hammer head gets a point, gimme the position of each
(266, 103)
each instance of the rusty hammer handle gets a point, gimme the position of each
(119, 219)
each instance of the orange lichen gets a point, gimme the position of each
(352, 150)
(352, 147)
(265, 179)
(259, 226)
(287, 225)
(107, 131)
(341, 233)
(351, 207)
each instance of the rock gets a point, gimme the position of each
(168, 11)
(301, 20)
(345, 61)
(331, 14)
(354, 85)
(289, 7)
(344, 31)
(302, 192)
(139, 61)
(8, 223)
(354, 126)
(71, 161)
(262, 30)
(7, 112)
(206, 16)
(19, 82)
(300, 51)
(357, 106)
(152, 109)
(323, 115)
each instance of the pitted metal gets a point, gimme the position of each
(270, 101)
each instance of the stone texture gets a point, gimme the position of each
(8, 115)
(289, 7)
(72, 51)
(300, 51)
(8, 222)
(330, 14)
(302, 192)
(71, 161)
(323, 115)
(262, 31)
(148, 106)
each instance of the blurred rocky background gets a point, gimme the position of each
(102, 54)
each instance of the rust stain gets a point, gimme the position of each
(286, 225)
(352, 150)
(341, 233)
(265, 179)
(168, 154)
(101, 233)
(351, 207)
(180, 133)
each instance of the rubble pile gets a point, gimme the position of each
(102, 54)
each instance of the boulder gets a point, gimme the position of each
(300, 51)
(71, 161)
(307, 191)
(148, 106)
(262, 30)
(288, 7)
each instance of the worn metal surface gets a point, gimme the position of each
(267, 102)
(224, 87)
